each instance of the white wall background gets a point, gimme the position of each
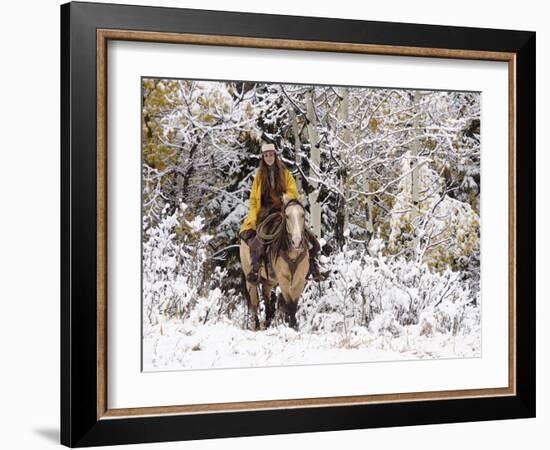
(29, 224)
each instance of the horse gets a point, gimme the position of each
(288, 264)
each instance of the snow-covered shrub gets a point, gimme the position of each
(444, 232)
(386, 324)
(385, 294)
(177, 281)
(172, 269)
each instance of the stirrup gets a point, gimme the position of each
(252, 277)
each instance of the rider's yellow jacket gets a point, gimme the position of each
(256, 198)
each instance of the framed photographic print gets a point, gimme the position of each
(279, 224)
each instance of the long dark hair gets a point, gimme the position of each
(279, 169)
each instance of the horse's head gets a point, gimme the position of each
(294, 219)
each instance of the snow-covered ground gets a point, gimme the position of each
(174, 346)
(370, 308)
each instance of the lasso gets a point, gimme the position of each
(262, 233)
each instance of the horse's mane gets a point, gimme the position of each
(281, 242)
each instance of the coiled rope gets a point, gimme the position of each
(263, 228)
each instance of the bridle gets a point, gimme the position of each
(294, 262)
(290, 203)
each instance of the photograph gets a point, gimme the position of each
(294, 224)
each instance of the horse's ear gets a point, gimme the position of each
(302, 199)
(286, 198)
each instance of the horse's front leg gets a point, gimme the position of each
(269, 303)
(289, 306)
(292, 294)
(296, 289)
(291, 314)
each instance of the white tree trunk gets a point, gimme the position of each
(343, 116)
(315, 208)
(415, 175)
(369, 225)
(297, 145)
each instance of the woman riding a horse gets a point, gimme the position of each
(271, 181)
